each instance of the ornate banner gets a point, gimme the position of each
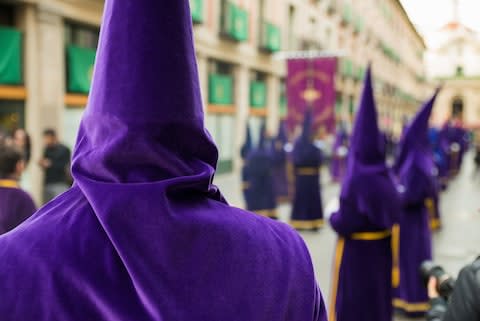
(311, 83)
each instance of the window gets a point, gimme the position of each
(81, 35)
(459, 71)
(6, 15)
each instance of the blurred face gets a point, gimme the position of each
(20, 138)
(49, 140)
(20, 168)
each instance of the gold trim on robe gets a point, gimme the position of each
(9, 183)
(267, 213)
(245, 185)
(411, 307)
(307, 225)
(336, 276)
(435, 223)
(307, 171)
(394, 233)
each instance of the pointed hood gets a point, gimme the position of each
(307, 126)
(367, 143)
(144, 121)
(282, 133)
(262, 137)
(415, 142)
(248, 145)
(375, 206)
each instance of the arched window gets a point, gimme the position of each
(457, 106)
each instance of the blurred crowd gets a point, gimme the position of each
(16, 204)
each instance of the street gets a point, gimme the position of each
(454, 246)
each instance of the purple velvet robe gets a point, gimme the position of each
(369, 208)
(258, 173)
(362, 280)
(15, 206)
(416, 173)
(307, 207)
(143, 234)
(415, 238)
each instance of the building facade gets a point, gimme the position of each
(454, 61)
(237, 42)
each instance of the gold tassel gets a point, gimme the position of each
(396, 255)
(430, 205)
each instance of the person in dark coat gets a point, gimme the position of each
(366, 256)
(338, 165)
(463, 302)
(307, 207)
(416, 173)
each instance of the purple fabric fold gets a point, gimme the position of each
(144, 235)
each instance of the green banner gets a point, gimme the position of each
(359, 24)
(258, 94)
(347, 68)
(196, 7)
(80, 63)
(283, 105)
(10, 56)
(220, 90)
(347, 14)
(236, 22)
(360, 73)
(272, 37)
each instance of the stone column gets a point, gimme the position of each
(242, 87)
(26, 21)
(44, 81)
(273, 104)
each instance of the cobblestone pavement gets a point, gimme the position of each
(454, 246)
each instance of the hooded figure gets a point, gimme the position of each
(339, 153)
(259, 171)
(143, 234)
(369, 208)
(457, 139)
(440, 156)
(244, 153)
(307, 208)
(279, 155)
(416, 173)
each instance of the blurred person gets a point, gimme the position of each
(22, 140)
(366, 256)
(307, 207)
(458, 142)
(415, 170)
(245, 153)
(280, 162)
(143, 234)
(338, 164)
(55, 163)
(15, 204)
(463, 303)
(259, 171)
(3, 136)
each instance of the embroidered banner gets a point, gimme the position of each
(311, 83)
